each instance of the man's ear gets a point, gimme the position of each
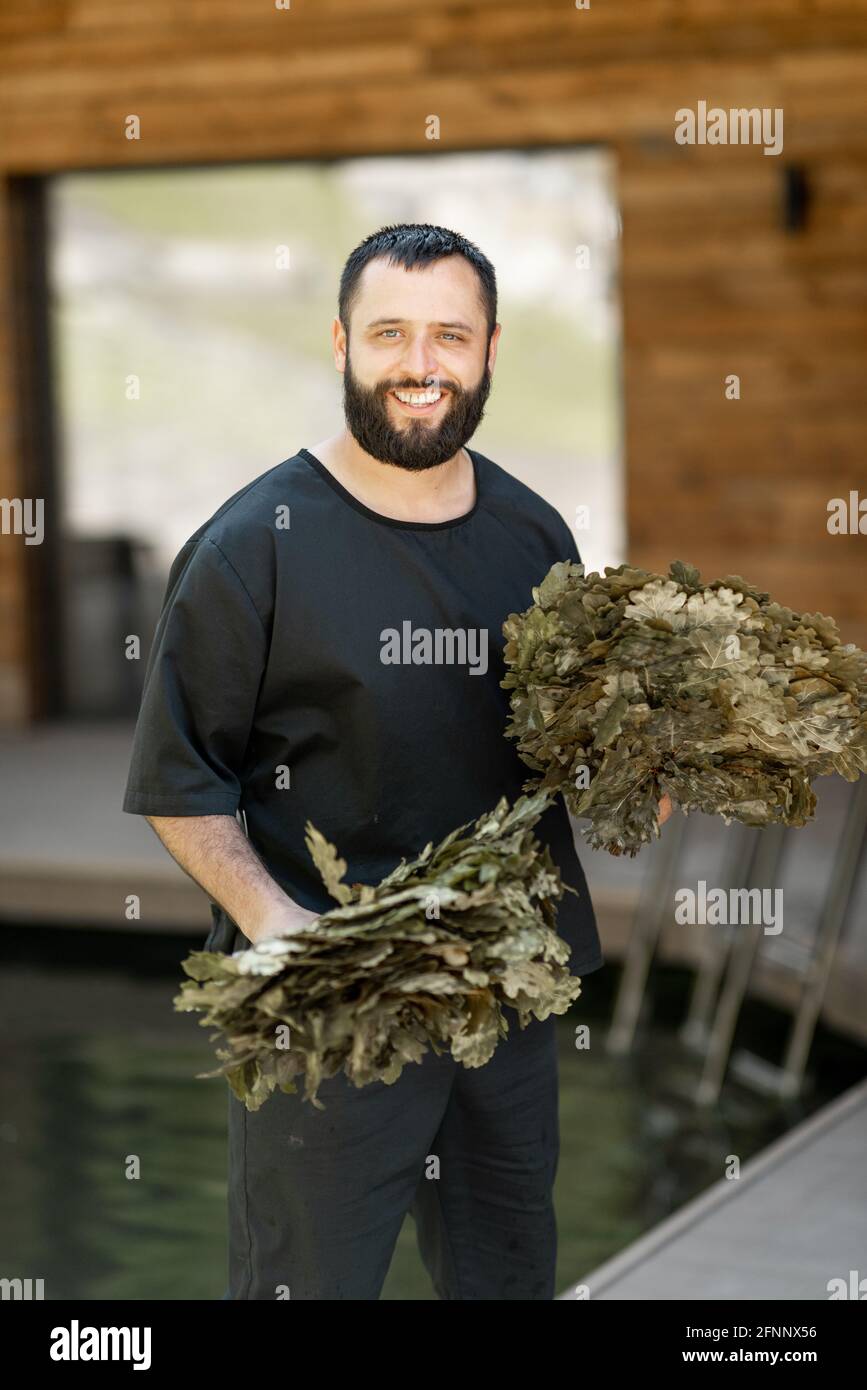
(339, 343)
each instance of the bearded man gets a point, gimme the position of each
(267, 697)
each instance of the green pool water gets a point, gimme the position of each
(99, 1069)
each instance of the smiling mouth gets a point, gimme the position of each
(420, 402)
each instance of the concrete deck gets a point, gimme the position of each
(794, 1220)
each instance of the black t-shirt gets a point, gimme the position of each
(316, 660)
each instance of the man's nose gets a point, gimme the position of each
(420, 361)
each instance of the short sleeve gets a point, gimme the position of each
(200, 691)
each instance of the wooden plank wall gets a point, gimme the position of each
(15, 692)
(712, 283)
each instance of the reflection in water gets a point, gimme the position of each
(100, 1072)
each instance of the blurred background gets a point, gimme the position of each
(681, 373)
(175, 274)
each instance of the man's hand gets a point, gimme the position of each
(665, 809)
(279, 921)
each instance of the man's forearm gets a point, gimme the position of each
(216, 853)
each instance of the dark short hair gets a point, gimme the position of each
(416, 243)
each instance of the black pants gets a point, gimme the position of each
(317, 1197)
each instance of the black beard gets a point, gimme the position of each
(418, 445)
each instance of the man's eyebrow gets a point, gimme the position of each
(381, 323)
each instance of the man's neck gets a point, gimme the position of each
(435, 494)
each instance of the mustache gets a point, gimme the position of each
(440, 382)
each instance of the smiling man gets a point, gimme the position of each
(274, 689)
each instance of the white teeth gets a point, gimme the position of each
(418, 397)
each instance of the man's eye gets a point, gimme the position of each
(455, 337)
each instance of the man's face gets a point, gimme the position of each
(421, 333)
